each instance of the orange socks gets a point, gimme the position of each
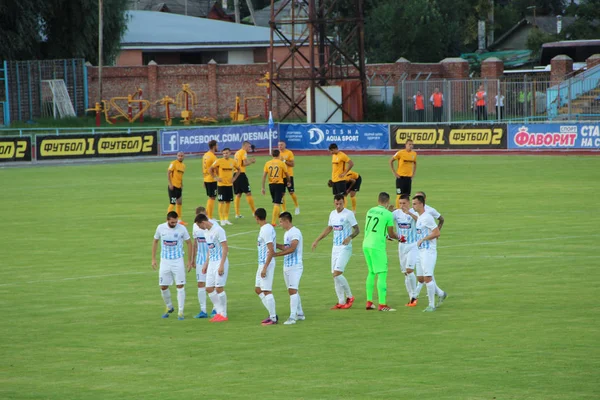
(293, 196)
(236, 205)
(210, 207)
(250, 201)
(275, 218)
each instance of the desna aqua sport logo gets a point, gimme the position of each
(316, 135)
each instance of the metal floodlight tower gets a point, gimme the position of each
(324, 45)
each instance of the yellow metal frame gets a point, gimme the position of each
(167, 101)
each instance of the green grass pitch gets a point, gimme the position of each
(519, 256)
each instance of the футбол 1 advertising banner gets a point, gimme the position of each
(554, 136)
(96, 145)
(196, 140)
(455, 136)
(346, 136)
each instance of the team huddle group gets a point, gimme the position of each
(414, 228)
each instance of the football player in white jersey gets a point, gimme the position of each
(436, 215)
(171, 236)
(427, 233)
(428, 209)
(407, 248)
(267, 239)
(216, 266)
(345, 228)
(291, 250)
(200, 249)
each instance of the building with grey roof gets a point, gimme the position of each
(516, 37)
(168, 38)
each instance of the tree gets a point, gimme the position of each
(72, 29)
(20, 28)
(536, 39)
(61, 29)
(542, 7)
(422, 30)
(505, 17)
(587, 24)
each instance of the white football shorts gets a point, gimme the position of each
(265, 284)
(340, 255)
(426, 262)
(292, 275)
(170, 269)
(408, 253)
(213, 279)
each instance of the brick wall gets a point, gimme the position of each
(562, 66)
(216, 85)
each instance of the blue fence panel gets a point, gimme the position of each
(346, 136)
(554, 136)
(560, 95)
(196, 140)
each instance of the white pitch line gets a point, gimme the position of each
(241, 248)
(325, 255)
(240, 233)
(518, 241)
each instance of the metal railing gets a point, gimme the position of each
(577, 95)
(21, 86)
(82, 130)
(505, 100)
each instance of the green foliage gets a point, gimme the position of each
(430, 30)
(378, 111)
(505, 17)
(422, 30)
(587, 24)
(20, 28)
(536, 39)
(61, 29)
(543, 7)
(408, 30)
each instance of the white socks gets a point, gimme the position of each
(214, 297)
(342, 288)
(265, 302)
(344, 282)
(269, 302)
(202, 298)
(300, 310)
(166, 295)
(410, 280)
(431, 293)
(223, 303)
(181, 299)
(339, 290)
(418, 289)
(438, 291)
(294, 302)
